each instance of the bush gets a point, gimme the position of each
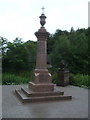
(80, 80)
(12, 79)
(54, 78)
(53, 72)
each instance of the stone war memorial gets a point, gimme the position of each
(41, 88)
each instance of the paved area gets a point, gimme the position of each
(75, 108)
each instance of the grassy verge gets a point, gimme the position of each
(23, 78)
(80, 80)
(12, 79)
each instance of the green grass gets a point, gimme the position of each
(80, 80)
(12, 79)
(24, 77)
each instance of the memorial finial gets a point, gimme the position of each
(42, 18)
(42, 10)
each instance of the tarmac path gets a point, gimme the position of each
(75, 108)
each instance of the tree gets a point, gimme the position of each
(3, 45)
(19, 57)
(72, 47)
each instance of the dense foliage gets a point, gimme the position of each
(80, 80)
(72, 47)
(12, 79)
(19, 57)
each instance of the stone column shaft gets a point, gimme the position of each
(41, 61)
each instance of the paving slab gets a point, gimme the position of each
(75, 108)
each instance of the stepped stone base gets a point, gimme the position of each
(26, 95)
(41, 87)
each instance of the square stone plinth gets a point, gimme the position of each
(41, 87)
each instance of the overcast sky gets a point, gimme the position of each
(20, 18)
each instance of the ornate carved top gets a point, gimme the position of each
(42, 33)
(42, 18)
